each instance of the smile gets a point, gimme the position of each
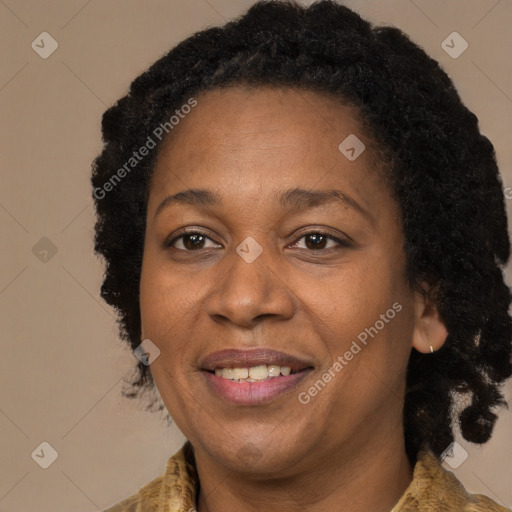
(252, 376)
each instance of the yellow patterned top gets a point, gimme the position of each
(432, 489)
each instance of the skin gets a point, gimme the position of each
(347, 444)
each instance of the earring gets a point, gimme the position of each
(431, 349)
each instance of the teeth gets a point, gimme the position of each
(240, 373)
(258, 372)
(228, 373)
(254, 373)
(273, 370)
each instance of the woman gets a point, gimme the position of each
(304, 233)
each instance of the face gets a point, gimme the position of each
(290, 247)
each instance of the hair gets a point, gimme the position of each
(443, 175)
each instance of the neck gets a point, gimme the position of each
(372, 477)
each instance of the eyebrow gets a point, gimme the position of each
(294, 199)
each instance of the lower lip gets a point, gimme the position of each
(254, 393)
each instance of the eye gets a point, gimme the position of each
(190, 241)
(317, 240)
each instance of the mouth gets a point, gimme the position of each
(253, 377)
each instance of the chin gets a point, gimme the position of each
(262, 455)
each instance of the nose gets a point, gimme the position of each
(249, 292)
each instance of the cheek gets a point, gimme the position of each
(163, 310)
(164, 298)
(171, 315)
(351, 299)
(365, 318)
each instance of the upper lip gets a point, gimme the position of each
(235, 358)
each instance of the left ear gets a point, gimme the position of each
(429, 328)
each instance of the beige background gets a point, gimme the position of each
(62, 364)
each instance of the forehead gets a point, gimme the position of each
(244, 113)
(274, 134)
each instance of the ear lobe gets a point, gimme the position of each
(429, 328)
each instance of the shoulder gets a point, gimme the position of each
(435, 489)
(482, 503)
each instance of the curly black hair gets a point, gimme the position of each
(442, 171)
